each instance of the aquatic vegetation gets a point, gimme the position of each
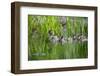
(57, 37)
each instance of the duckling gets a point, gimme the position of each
(62, 40)
(50, 33)
(82, 38)
(85, 39)
(63, 23)
(34, 31)
(63, 20)
(74, 38)
(70, 39)
(53, 38)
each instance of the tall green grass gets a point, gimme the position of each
(40, 48)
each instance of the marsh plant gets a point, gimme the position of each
(57, 37)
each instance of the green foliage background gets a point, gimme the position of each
(39, 43)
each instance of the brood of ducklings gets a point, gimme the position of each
(75, 38)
